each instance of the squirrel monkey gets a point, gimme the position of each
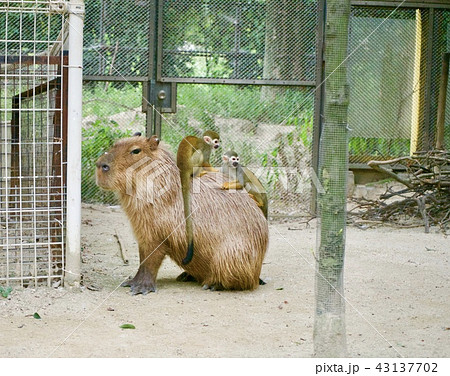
(242, 178)
(193, 160)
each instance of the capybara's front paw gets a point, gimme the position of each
(143, 288)
(140, 285)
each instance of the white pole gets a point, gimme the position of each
(75, 82)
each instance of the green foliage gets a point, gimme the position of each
(5, 291)
(303, 128)
(116, 24)
(300, 138)
(119, 97)
(210, 27)
(198, 108)
(32, 26)
(239, 102)
(98, 138)
(363, 147)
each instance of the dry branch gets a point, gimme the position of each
(426, 196)
(123, 249)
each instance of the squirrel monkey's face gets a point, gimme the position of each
(234, 161)
(212, 139)
(231, 160)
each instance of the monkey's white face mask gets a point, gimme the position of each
(232, 161)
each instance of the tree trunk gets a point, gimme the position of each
(285, 38)
(329, 325)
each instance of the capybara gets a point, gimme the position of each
(230, 230)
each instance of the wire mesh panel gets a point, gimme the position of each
(255, 40)
(394, 69)
(272, 138)
(441, 45)
(116, 38)
(32, 142)
(381, 72)
(263, 41)
(394, 72)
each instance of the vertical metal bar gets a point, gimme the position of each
(154, 65)
(151, 64)
(20, 149)
(33, 205)
(64, 104)
(158, 56)
(7, 180)
(48, 145)
(318, 98)
(73, 262)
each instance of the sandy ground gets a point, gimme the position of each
(396, 285)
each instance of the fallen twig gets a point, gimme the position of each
(123, 250)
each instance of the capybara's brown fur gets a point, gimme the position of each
(230, 231)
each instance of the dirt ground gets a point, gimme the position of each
(396, 285)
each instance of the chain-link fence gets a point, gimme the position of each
(233, 42)
(116, 37)
(245, 48)
(395, 66)
(253, 40)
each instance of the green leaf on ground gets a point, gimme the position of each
(5, 291)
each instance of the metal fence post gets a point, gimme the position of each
(73, 241)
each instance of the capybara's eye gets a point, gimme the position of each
(135, 151)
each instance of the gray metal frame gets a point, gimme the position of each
(402, 4)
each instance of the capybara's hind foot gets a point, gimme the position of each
(142, 283)
(216, 287)
(185, 277)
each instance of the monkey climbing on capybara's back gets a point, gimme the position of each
(230, 230)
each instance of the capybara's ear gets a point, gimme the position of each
(137, 134)
(153, 142)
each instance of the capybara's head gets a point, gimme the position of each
(119, 168)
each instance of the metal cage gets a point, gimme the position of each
(33, 142)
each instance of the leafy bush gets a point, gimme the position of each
(117, 98)
(98, 138)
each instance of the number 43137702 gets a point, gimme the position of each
(407, 367)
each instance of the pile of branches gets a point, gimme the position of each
(426, 196)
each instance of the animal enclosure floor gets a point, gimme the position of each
(396, 286)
